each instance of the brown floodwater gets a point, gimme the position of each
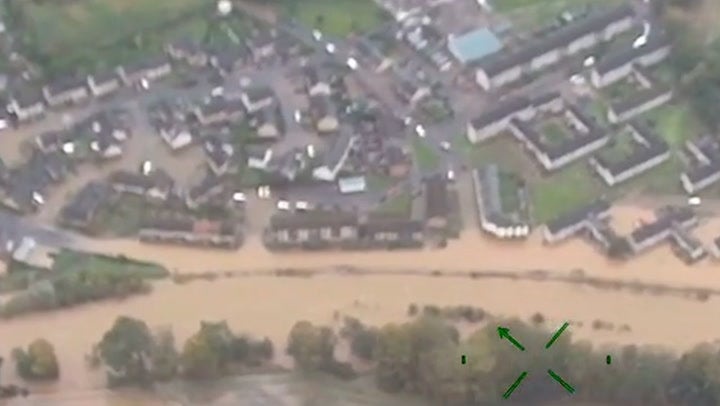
(269, 306)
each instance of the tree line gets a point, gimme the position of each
(420, 357)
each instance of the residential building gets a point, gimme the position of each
(155, 185)
(704, 169)
(257, 98)
(262, 45)
(187, 231)
(105, 146)
(496, 120)
(316, 228)
(219, 154)
(436, 199)
(617, 65)
(258, 157)
(65, 91)
(176, 137)
(576, 220)
(229, 60)
(391, 232)
(219, 111)
(83, 207)
(268, 123)
(494, 218)
(103, 84)
(670, 223)
(318, 81)
(51, 141)
(324, 114)
(27, 104)
(334, 159)
(188, 51)
(639, 102)
(474, 45)
(149, 70)
(210, 186)
(503, 68)
(648, 151)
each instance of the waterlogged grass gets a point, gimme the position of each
(337, 17)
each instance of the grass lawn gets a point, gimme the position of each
(675, 123)
(509, 197)
(337, 17)
(563, 191)
(399, 204)
(426, 158)
(70, 261)
(622, 146)
(376, 183)
(554, 132)
(98, 34)
(122, 219)
(530, 14)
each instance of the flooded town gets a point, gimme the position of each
(238, 184)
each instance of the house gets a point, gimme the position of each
(324, 114)
(83, 207)
(149, 70)
(103, 84)
(704, 170)
(187, 231)
(268, 123)
(412, 91)
(639, 102)
(576, 220)
(219, 111)
(218, 154)
(105, 146)
(262, 46)
(187, 51)
(227, 61)
(51, 141)
(618, 64)
(436, 201)
(391, 232)
(257, 98)
(318, 81)
(584, 137)
(316, 228)
(669, 223)
(26, 185)
(155, 185)
(176, 137)
(110, 123)
(648, 151)
(506, 67)
(211, 186)
(494, 217)
(496, 120)
(258, 157)
(65, 91)
(352, 184)
(334, 159)
(27, 104)
(474, 45)
(287, 166)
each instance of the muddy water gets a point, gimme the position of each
(268, 306)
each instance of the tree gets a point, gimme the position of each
(311, 347)
(696, 379)
(209, 352)
(165, 357)
(362, 343)
(126, 350)
(38, 362)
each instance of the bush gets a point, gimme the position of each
(538, 318)
(363, 343)
(342, 370)
(412, 310)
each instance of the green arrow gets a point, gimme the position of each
(515, 384)
(504, 332)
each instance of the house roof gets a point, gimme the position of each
(158, 178)
(578, 215)
(27, 96)
(334, 155)
(145, 65)
(379, 223)
(209, 186)
(652, 147)
(666, 220)
(218, 151)
(562, 37)
(86, 202)
(500, 111)
(489, 180)
(65, 84)
(322, 106)
(628, 54)
(104, 76)
(638, 98)
(258, 93)
(436, 197)
(698, 173)
(314, 219)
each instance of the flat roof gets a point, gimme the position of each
(474, 45)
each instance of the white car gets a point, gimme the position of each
(352, 63)
(445, 146)
(283, 205)
(217, 92)
(451, 175)
(420, 131)
(297, 115)
(302, 205)
(144, 84)
(694, 200)
(317, 35)
(330, 48)
(577, 80)
(407, 120)
(310, 149)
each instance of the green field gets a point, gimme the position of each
(425, 157)
(622, 146)
(509, 193)
(554, 132)
(83, 36)
(531, 14)
(337, 17)
(69, 261)
(676, 123)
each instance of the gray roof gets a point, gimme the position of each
(315, 219)
(578, 215)
(500, 111)
(211, 185)
(638, 99)
(145, 65)
(672, 218)
(562, 37)
(640, 153)
(156, 179)
(628, 54)
(698, 173)
(65, 84)
(27, 96)
(332, 157)
(259, 93)
(379, 223)
(322, 106)
(436, 197)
